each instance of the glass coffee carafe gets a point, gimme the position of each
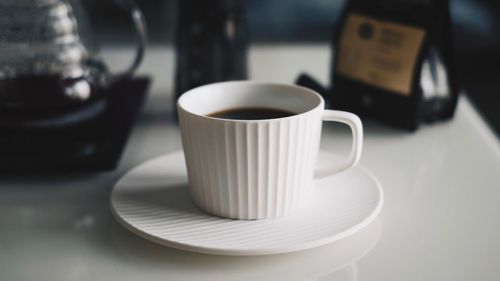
(47, 58)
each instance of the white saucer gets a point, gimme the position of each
(152, 200)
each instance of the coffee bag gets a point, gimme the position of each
(393, 61)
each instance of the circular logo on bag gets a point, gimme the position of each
(366, 31)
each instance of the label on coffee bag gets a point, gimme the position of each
(379, 53)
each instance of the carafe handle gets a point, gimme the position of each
(141, 33)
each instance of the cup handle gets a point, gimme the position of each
(354, 123)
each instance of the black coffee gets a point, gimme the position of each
(42, 92)
(251, 113)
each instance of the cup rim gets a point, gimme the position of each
(304, 90)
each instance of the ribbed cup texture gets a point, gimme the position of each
(250, 170)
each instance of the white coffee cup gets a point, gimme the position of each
(256, 169)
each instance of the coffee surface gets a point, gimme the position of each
(251, 113)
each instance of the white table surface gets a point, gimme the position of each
(441, 219)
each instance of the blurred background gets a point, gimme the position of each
(476, 25)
